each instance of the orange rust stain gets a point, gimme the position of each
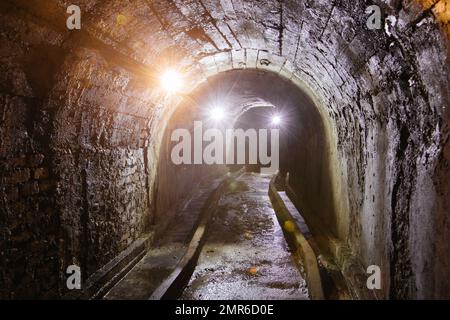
(121, 19)
(289, 226)
(253, 271)
(441, 11)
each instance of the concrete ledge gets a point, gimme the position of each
(106, 277)
(299, 242)
(350, 266)
(173, 285)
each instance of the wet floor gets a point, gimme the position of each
(245, 255)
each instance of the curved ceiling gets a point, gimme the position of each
(323, 44)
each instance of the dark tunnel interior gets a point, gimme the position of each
(104, 128)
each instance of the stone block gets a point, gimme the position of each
(35, 160)
(29, 189)
(40, 173)
(19, 176)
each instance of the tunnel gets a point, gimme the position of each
(92, 92)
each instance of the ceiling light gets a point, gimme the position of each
(171, 81)
(276, 119)
(217, 114)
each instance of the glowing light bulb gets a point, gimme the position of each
(217, 114)
(276, 120)
(171, 81)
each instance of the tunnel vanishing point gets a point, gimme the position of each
(86, 178)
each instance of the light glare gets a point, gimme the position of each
(171, 81)
(276, 120)
(217, 114)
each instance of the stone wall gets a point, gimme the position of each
(30, 225)
(74, 140)
(82, 122)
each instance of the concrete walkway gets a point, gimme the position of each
(159, 262)
(245, 255)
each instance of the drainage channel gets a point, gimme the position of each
(225, 244)
(245, 254)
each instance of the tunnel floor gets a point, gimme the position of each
(245, 255)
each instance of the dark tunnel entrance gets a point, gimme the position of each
(257, 118)
(250, 98)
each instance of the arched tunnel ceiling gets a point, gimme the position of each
(99, 113)
(237, 91)
(325, 46)
(321, 44)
